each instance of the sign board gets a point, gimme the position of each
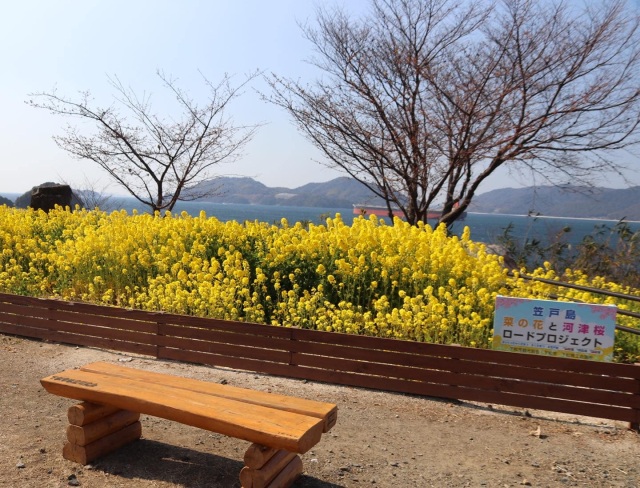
(575, 330)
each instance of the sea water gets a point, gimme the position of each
(484, 227)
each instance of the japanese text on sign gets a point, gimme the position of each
(575, 330)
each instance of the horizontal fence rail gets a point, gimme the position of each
(590, 289)
(600, 291)
(579, 387)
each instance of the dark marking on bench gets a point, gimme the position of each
(75, 382)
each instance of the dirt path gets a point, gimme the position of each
(380, 440)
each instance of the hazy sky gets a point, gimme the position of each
(76, 45)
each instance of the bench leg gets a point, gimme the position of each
(96, 430)
(266, 467)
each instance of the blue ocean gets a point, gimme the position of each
(484, 227)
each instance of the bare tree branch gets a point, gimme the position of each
(158, 161)
(422, 100)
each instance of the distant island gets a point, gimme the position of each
(344, 192)
(340, 192)
(562, 201)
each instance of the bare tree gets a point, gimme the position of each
(157, 160)
(91, 197)
(422, 100)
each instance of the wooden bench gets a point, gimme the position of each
(113, 397)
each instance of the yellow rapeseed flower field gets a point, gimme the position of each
(400, 281)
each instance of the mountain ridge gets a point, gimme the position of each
(562, 201)
(343, 192)
(553, 201)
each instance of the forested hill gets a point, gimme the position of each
(341, 192)
(564, 201)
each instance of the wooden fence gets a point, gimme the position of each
(589, 388)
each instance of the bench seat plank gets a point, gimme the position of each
(312, 408)
(254, 423)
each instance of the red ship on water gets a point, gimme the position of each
(382, 211)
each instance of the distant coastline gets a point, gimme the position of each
(485, 227)
(604, 204)
(555, 217)
(566, 201)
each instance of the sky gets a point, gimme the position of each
(74, 46)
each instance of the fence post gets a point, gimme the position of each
(51, 321)
(159, 334)
(635, 425)
(292, 353)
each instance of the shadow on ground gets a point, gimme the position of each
(157, 461)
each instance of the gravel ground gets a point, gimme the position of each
(380, 440)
